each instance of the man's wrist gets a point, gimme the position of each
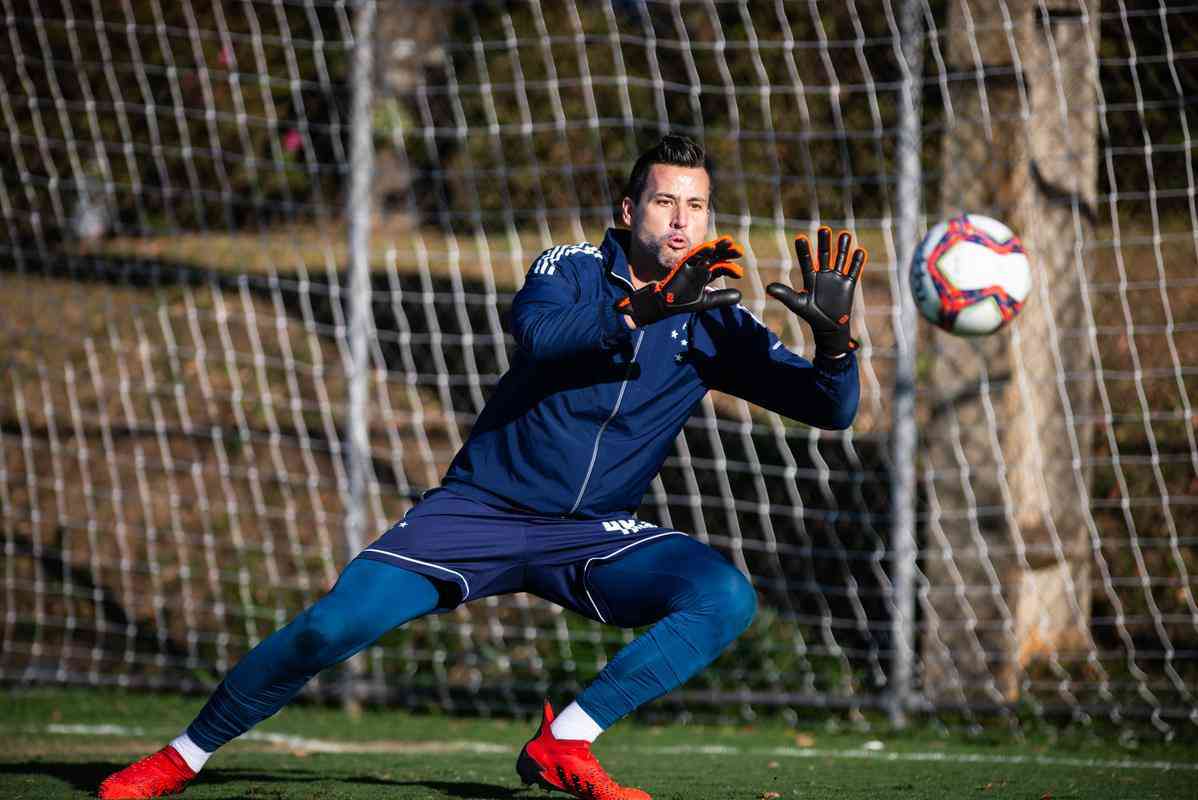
(832, 361)
(833, 344)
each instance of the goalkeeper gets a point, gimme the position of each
(617, 345)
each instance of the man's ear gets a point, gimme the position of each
(626, 212)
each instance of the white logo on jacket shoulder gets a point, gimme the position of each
(626, 525)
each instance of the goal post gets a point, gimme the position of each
(252, 299)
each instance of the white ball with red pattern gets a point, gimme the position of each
(970, 275)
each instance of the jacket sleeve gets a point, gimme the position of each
(553, 319)
(750, 362)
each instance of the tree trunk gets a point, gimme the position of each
(408, 50)
(1007, 557)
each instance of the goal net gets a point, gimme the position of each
(193, 442)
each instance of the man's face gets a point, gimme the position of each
(670, 217)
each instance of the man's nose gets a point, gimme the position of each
(679, 219)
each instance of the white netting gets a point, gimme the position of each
(174, 476)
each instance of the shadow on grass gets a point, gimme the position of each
(86, 777)
(459, 789)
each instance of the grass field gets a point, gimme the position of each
(61, 743)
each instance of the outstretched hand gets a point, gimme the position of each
(826, 299)
(684, 289)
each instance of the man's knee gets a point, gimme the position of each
(322, 635)
(730, 599)
(741, 603)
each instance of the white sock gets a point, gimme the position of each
(574, 723)
(191, 752)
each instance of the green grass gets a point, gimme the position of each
(389, 754)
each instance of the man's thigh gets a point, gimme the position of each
(621, 572)
(652, 582)
(452, 538)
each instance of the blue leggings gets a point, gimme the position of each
(698, 600)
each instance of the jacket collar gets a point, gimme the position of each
(614, 249)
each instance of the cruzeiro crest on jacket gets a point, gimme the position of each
(547, 262)
(626, 525)
(681, 336)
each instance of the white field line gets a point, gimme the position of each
(301, 743)
(955, 758)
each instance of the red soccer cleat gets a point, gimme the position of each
(568, 766)
(156, 775)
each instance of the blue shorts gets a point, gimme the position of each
(488, 551)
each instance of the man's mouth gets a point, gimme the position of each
(678, 242)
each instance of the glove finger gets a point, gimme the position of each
(726, 249)
(825, 248)
(699, 255)
(842, 251)
(690, 270)
(725, 268)
(719, 298)
(719, 250)
(858, 264)
(795, 301)
(803, 253)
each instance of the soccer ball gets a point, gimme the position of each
(970, 275)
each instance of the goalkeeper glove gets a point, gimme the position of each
(826, 299)
(684, 290)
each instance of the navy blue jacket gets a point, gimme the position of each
(589, 410)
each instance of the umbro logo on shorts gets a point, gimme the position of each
(626, 525)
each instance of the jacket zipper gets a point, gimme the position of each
(599, 435)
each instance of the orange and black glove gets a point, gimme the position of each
(684, 289)
(826, 300)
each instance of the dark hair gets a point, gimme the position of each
(673, 149)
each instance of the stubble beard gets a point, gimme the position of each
(657, 253)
